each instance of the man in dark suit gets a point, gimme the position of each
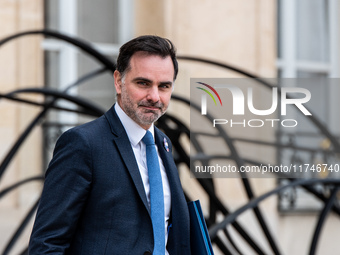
(96, 196)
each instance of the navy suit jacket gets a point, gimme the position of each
(93, 201)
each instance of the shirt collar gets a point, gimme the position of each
(134, 132)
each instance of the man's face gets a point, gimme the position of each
(144, 92)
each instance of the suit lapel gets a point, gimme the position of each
(180, 234)
(124, 147)
(171, 170)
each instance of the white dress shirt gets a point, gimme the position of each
(135, 134)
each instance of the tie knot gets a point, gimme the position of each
(148, 138)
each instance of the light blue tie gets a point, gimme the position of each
(156, 194)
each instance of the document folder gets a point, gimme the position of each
(199, 236)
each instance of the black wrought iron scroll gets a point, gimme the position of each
(175, 129)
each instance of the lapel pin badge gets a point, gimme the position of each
(166, 145)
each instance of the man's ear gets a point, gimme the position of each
(118, 81)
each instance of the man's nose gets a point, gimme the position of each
(153, 94)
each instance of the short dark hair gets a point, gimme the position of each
(153, 45)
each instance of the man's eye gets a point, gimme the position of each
(165, 86)
(142, 83)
